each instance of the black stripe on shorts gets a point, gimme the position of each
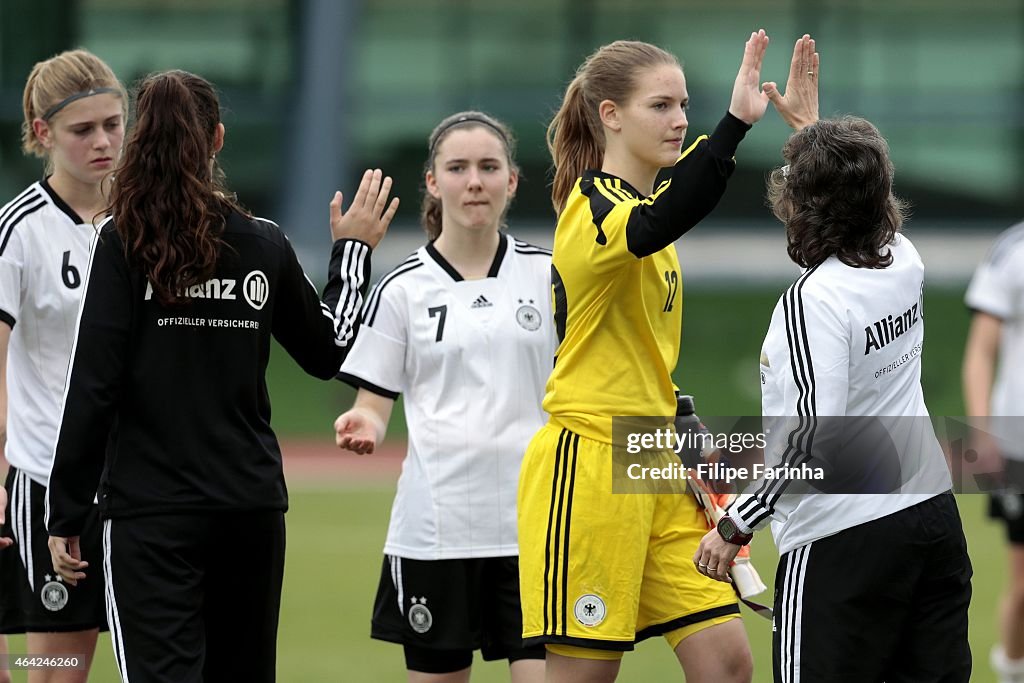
(556, 550)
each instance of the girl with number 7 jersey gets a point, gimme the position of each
(463, 328)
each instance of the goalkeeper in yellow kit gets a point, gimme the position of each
(598, 571)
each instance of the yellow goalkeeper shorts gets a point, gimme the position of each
(603, 570)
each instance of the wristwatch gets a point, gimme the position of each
(728, 530)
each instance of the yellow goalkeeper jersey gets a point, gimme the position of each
(617, 288)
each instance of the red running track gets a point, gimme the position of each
(316, 461)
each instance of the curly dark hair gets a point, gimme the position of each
(169, 201)
(835, 196)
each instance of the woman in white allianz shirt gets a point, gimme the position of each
(870, 586)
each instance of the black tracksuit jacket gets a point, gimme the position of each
(166, 410)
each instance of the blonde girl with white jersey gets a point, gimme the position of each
(74, 109)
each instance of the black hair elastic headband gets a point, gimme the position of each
(468, 119)
(77, 96)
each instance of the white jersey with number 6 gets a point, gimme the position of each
(472, 358)
(44, 253)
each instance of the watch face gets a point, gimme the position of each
(727, 528)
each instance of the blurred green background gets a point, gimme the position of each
(315, 90)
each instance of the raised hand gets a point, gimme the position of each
(799, 106)
(748, 102)
(369, 215)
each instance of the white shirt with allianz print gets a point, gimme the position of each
(833, 350)
(44, 256)
(472, 358)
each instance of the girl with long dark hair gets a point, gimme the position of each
(167, 413)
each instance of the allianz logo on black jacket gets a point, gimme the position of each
(255, 289)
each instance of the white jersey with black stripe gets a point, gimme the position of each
(997, 289)
(472, 358)
(844, 342)
(44, 253)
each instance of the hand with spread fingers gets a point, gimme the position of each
(799, 106)
(66, 555)
(748, 101)
(370, 213)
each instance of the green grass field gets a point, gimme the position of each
(334, 542)
(335, 536)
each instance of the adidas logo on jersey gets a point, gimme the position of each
(481, 302)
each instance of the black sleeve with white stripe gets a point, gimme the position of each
(318, 331)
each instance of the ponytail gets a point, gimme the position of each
(575, 136)
(169, 203)
(575, 140)
(430, 216)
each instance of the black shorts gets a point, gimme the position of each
(33, 599)
(1009, 507)
(882, 601)
(1008, 504)
(463, 604)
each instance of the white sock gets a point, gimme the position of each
(1008, 670)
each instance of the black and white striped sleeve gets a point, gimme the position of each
(12, 274)
(316, 331)
(377, 362)
(814, 383)
(13, 250)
